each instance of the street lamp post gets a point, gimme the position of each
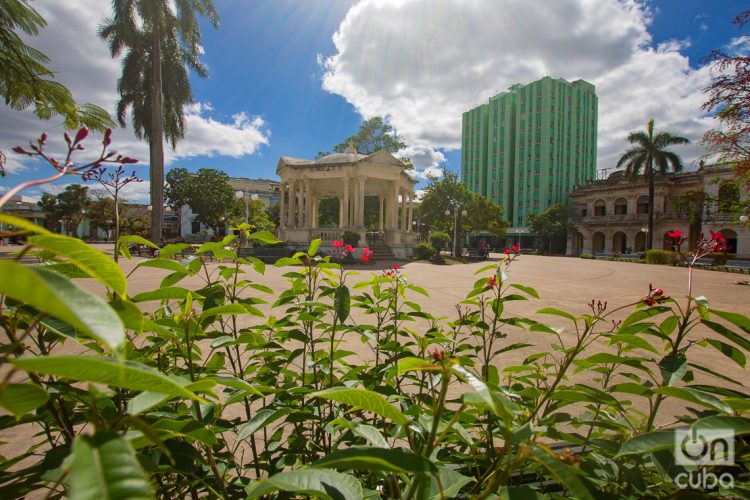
(242, 195)
(456, 213)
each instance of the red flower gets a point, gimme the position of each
(365, 258)
(82, 133)
(349, 248)
(337, 243)
(395, 266)
(506, 251)
(676, 234)
(516, 248)
(366, 252)
(492, 281)
(389, 273)
(717, 237)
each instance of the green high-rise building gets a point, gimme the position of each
(528, 147)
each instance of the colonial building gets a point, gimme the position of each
(349, 177)
(611, 215)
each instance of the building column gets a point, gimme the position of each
(608, 241)
(282, 205)
(341, 212)
(409, 222)
(308, 203)
(301, 206)
(361, 202)
(403, 210)
(380, 213)
(291, 221)
(314, 211)
(394, 207)
(345, 204)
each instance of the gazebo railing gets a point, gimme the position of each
(328, 234)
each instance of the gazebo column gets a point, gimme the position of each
(394, 207)
(308, 203)
(315, 202)
(301, 207)
(345, 205)
(361, 202)
(380, 213)
(291, 221)
(341, 212)
(409, 223)
(282, 206)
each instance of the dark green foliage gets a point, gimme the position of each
(551, 225)
(207, 396)
(439, 240)
(586, 256)
(25, 79)
(654, 256)
(350, 238)
(423, 251)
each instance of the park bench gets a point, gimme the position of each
(605, 255)
(476, 256)
(266, 254)
(631, 256)
(704, 262)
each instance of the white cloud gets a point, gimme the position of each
(739, 45)
(424, 62)
(82, 62)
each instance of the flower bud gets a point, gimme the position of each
(43, 138)
(67, 138)
(107, 137)
(82, 133)
(20, 150)
(128, 159)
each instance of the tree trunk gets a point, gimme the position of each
(156, 141)
(117, 225)
(650, 234)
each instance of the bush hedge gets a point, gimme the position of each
(655, 256)
(423, 251)
(439, 240)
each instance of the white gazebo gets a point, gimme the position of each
(350, 177)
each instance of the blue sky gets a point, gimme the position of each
(280, 84)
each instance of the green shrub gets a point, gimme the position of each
(429, 407)
(439, 240)
(423, 251)
(586, 256)
(721, 258)
(350, 238)
(655, 256)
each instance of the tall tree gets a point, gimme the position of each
(177, 190)
(162, 39)
(552, 224)
(212, 198)
(648, 153)
(25, 79)
(69, 207)
(729, 99)
(373, 135)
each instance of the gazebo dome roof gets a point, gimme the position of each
(340, 158)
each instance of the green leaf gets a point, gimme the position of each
(97, 264)
(317, 483)
(521, 493)
(695, 396)
(556, 312)
(172, 249)
(105, 467)
(117, 373)
(138, 240)
(642, 314)
(479, 387)
(370, 433)
(673, 368)
(312, 250)
(23, 224)
(648, 442)
(728, 334)
(564, 473)
(168, 264)
(58, 297)
(166, 293)
(739, 425)
(261, 419)
(739, 320)
(729, 351)
(363, 399)
(264, 237)
(225, 310)
(527, 289)
(341, 303)
(411, 364)
(19, 399)
(398, 460)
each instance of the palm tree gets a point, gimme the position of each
(161, 41)
(650, 151)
